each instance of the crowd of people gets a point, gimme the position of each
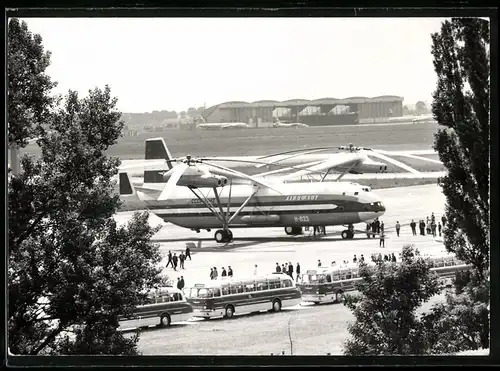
(428, 226)
(174, 260)
(287, 268)
(214, 274)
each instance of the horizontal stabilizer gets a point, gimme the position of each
(126, 187)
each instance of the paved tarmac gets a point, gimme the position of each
(315, 330)
(267, 246)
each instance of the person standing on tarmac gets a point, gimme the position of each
(413, 227)
(290, 270)
(223, 273)
(398, 227)
(229, 271)
(297, 272)
(439, 228)
(174, 259)
(188, 253)
(170, 259)
(179, 285)
(181, 260)
(443, 220)
(382, 240)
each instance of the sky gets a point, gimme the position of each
(177, 63)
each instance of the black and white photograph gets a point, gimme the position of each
(248, 186)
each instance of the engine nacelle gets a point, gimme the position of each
(197, 178)
(370, 166)
(205, 181)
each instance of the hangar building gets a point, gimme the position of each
(325, 111)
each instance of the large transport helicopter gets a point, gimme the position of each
(199, 194)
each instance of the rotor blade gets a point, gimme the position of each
(298, 150)
(141, 164)
(250, 162)
(325, 165)
(240, 175)
(300, 167)
(409, 156)
(296, 155)
(172, 181)
(394, 162)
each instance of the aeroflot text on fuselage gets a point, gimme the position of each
(287, 198)
(302, 198)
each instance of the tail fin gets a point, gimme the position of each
(156, 149)
(126, 187)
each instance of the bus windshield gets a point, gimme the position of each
(316, 278)
(201, 293)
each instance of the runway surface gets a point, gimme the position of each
(317, 330)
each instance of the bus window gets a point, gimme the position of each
(273, 284)
(335, 277)
(250, 287)
(151, 300)
(215, 292)
(286, 283)
(328, 278)
(234, 289)
(262, 286)
(225, 290)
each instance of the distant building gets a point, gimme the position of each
(325, 111)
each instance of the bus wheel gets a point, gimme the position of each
(339, 296)
(276, 305)
(165, 320)
(229, 311)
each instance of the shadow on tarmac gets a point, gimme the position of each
(195, 245)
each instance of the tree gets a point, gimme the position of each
(386, 322)
(420, 108)
(29, 101)
(460, 323)
(461, 106)
(71, 267)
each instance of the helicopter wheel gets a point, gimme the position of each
(222, 236)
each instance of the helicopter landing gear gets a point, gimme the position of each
(348, 233)
(293, 231)
(223, 235)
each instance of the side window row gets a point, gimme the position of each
(261, 286)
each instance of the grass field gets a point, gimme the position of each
(261, 141)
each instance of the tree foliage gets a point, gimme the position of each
(461, 322)
(29, 101)
(386, 322)
(461, 106)
(71, 268)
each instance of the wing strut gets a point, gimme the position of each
(344, 172)
(209, 205)
(242, 206)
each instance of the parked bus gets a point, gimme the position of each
(225, 297)
(165, 305)
(328, 284)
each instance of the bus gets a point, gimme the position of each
(225, 297)
(328, 284)
(165, 306)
